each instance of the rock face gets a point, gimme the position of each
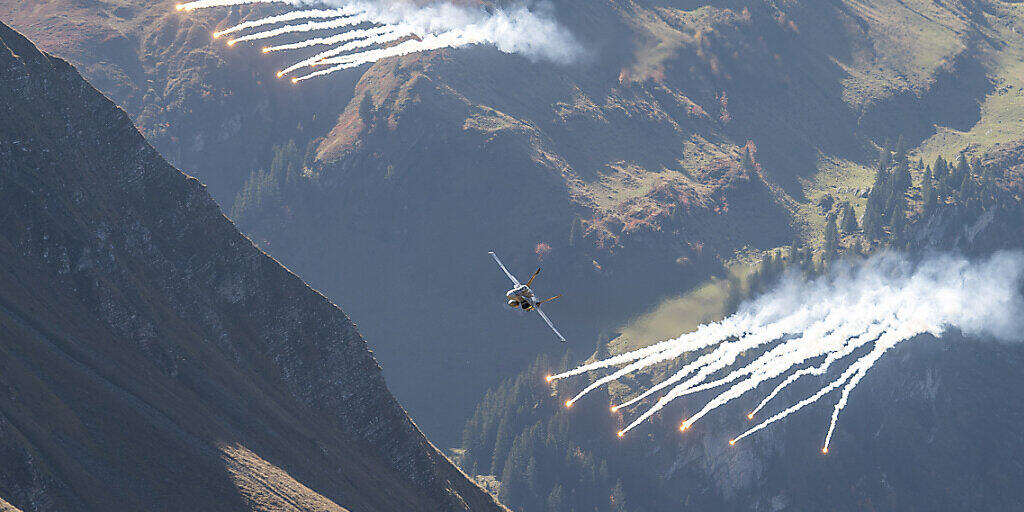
(151, 358)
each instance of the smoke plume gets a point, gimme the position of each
(530, 31)
(849, 318)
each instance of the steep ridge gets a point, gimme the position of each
(151, 358)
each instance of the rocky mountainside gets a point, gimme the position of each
(151, 358)
(623, 175)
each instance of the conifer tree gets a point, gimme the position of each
(988, 187)
(968, 195)
(849, 220)
(899, 228)
(502, 443)
(878, 198)
(532, 481)
(556, 500)
(831, 239)
(819, 265)
(940, 173)
(857, 248)
(928, 190)
(901, 177)
(885, 156)
(618, 498)
(807, 261)
(777, 265)
(873, 224)
(963, 171)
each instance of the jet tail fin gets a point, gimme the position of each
(528, 283)
(549, 300)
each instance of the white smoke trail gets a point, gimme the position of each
(290, 16)
(531, 33)
(332, 40)
(203, 4)
(870, 335)
(308, 26)
(448, 40)
(842, 337)
(759, 371)
(384, 38)
(706, 335)
(723, 356)
(881, 303)
(801, 404)
(411, 46)
(858, 368)
(688, 342)
(728, 352)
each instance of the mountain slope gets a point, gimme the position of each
(152, 358)
(209, 109)
(624, 175)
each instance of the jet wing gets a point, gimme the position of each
(551, 325)
(505, 270)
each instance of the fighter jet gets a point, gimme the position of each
(521, 296)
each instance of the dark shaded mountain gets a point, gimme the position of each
(151, 358)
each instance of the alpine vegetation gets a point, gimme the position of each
(362, 32)
(847, 319)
